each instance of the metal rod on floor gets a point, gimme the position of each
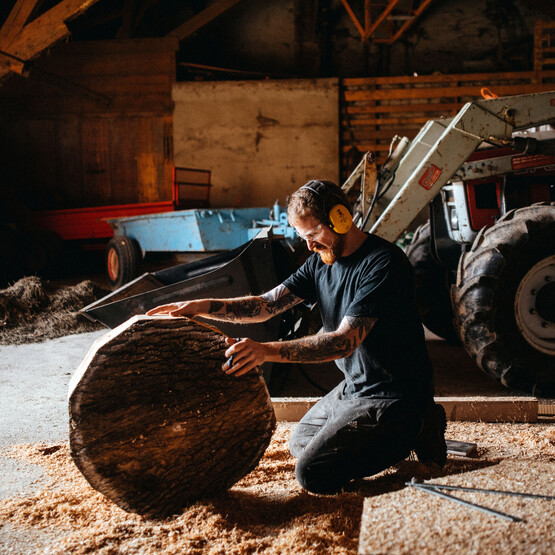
(432, 490)
(494, 491)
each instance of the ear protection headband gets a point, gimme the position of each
(338, 215)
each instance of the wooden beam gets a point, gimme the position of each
(381, 18)
(522, 76)
(45, 30)
(409, 22)
(48, 28)
(444, 92)
(367, 16)
(470, 409)
(204, 17)
(15, 21)
(8, 64)
(353, 16)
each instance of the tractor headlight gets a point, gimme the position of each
(453, 218)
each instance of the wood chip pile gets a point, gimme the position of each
(268, 512)
(33, 310)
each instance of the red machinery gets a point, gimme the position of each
(39, 244)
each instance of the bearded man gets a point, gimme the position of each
(364, 286)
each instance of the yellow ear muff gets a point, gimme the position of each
(340, 219)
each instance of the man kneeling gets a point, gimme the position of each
(364, 286)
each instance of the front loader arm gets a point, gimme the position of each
(429, 164)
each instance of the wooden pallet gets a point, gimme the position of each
(544, 46)
(374, 110)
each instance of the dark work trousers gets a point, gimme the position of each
(340, 439)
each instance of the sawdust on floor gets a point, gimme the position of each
(267, 511)
(415, 521)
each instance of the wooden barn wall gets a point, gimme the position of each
(91, 124)
(374, 110)
(262, 140)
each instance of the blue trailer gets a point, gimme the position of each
(186, 231)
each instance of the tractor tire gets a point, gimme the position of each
(431, 286)
(123, 256)
(504, 300)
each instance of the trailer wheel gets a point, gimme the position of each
(504, 299)
(431, 286)
(123, 256)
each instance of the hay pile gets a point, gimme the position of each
(33, 310)
(268, 512)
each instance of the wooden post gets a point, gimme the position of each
(155, 424)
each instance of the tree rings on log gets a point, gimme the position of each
(155, 423)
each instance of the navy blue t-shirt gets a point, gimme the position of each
(377, 281)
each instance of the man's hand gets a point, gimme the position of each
(183, 308)
(243, 355)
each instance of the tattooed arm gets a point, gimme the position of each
(328, 346)
(323, 347)
(241, 309)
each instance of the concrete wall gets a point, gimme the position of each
(261, 139)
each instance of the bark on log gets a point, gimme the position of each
(154, 422)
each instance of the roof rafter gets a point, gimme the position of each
(25, 41)
(202, 18)
(383, 8)
(15, 21)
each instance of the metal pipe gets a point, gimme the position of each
(494, 491)
(434, 491)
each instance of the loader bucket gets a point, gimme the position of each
(253, 268)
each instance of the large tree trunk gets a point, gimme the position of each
(156, 424)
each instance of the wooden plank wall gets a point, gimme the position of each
(544, 45)
(92, 124)
(374, 110)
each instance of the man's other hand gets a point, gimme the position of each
(243, 355)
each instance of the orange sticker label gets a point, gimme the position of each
(429, 177)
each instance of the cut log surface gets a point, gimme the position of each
(155, 423)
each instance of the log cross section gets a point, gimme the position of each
(154, 422)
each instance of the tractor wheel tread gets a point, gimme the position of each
(483, 297)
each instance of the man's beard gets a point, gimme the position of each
(329, 255)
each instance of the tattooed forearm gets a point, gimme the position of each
(330, 345)
(279, 299)
(362, 325)
(252, 308)
(235, 309)
(317, 348)
(216, 307)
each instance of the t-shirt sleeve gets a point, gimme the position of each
(302, 284)
(374, 289)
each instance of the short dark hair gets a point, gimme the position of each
(305, 202)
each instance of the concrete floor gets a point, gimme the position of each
(33, 386)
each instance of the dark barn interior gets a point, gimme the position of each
(148, 151)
